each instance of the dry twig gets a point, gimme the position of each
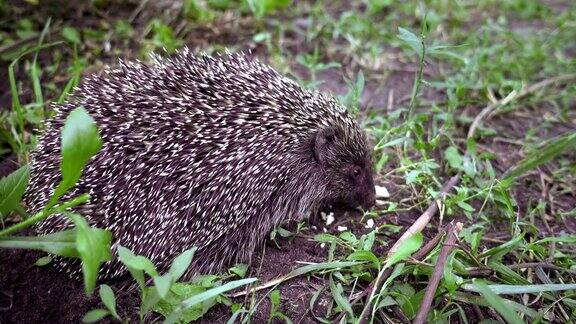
(451, 236)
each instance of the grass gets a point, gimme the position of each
(419, 76)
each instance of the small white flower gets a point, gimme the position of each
(369, 223)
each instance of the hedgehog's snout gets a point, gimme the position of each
(362, 193)
(367, 192)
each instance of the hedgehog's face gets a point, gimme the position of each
(346, 166)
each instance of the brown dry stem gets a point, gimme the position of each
(451, 236)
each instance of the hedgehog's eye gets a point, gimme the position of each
(356, 172)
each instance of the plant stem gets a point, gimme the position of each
(44, 214)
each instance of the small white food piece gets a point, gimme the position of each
(382, 192)
(342, 228)
(369, 223)
(330, 218)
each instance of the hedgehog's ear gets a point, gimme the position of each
(322, 143)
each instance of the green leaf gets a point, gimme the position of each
(95, 315)
(109, 300)
(150, 300)
(260, 8)
(93, 245)
(362, 255)
(275, 297)
(180, 292)
(411, 39)
(342, 302)
(137, 262)
(406, 249)
(411, 305)
(321, 266)
(43, 261)
(465, 206)
(162, 284)
(504, 247)
(570, 239)
(498, 303)
(454, 158)
(60, 243)
(542, 155)
(12, 188)
(80, 141)
(181, 263)
(71, 35)
(211, 293)
(239, 269)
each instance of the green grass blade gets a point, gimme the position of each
(498, 304)
(521, 289)
(543, 155)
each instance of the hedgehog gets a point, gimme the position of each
(205, 151)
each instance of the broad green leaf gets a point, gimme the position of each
(411, 39)
(211, 293)
(137, 262)
(406, 249)
(80, 141)
(12, 188)
(239, 269)
(95, 315)
(180, 292)
(411, 306)
(362, 255)
(162, 284)
(181, 263)
(275, 297)
(454, 158)
(324, 238)
(109, 300)
(498, 303)
(466, 206)
(43, 261)
(93, 245)
(150, 301)
(71, 35)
